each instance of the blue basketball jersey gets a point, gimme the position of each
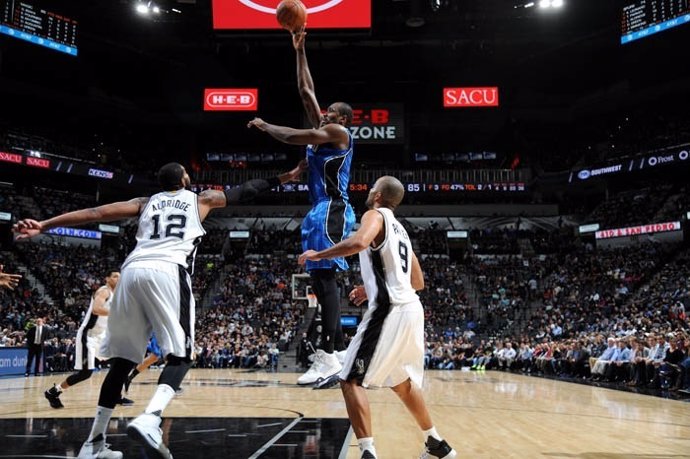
(153, 347)
(329, 172)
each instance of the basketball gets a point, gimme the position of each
(291, 14)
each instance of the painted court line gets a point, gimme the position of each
(346, 444)
(274, 439)
(203, 431)
(273, 424)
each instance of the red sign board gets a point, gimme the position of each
(10, 157)
(321, 14)
(38, 162)
(637, 230)
(382, 123)
(470, 97)
(231, 99)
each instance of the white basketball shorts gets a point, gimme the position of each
(388, 347)
(151, 297)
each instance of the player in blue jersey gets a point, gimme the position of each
(329, 153)
(154, 355)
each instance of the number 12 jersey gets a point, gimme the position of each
(169, 229)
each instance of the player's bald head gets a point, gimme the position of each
(392, 191)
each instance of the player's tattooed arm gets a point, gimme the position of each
(109, 212)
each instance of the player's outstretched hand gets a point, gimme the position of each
(310, 255)
(257, 123)
(298, 38)
(27, 228)
(296, 173)
(9, 281)
(358, 295)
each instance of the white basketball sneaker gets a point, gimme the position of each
(98, 449)
(324, 366)
(145, 429)
(341, 356)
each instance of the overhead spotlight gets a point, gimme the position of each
(142, 9)
(529, 5)
(156, 10)
(557, 3)
(544, 3)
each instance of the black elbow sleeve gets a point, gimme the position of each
(249, 190)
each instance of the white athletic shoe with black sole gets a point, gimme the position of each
(329, 383)
(145, 429)
(324, 366)
(98, 449)
(340, 355)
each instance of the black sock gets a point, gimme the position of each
(133, 374)
(326, 290)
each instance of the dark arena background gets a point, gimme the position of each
(544, 147)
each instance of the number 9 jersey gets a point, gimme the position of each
(387, 269)
(169, 229)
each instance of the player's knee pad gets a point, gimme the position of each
(78, 377)
(173, 360)
(175, 370)
(111, 390)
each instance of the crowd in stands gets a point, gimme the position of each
(253, 317)
(495, 240)
(445, 297)
(630, 208)
(631, 299)
(53, 202)
(602, 139)
(276, 240)
(109, 146)
(550, 312)
(504, 286)
(429, 241)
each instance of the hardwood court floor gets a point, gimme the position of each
(483, 415)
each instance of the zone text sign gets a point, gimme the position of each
(377, 123)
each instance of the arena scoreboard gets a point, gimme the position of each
(642, 18)
(28, 20)
(509, 187)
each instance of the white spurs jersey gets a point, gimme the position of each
(169, 229)
(95, 324)
(387, 269)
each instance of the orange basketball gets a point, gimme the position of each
(291, 14)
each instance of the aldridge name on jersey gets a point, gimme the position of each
(171, 203)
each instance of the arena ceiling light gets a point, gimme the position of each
(144, 8)
(524, 5)
(544, 4)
